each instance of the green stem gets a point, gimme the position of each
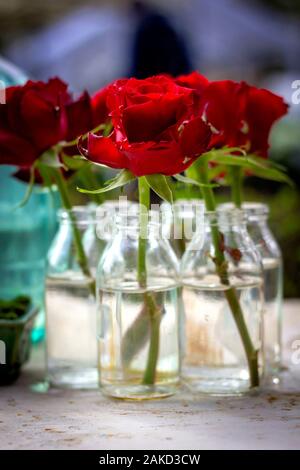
(144, 200)
(230, 293)
(236, 185)
(154, 312)
(155, 317)
(89, 180)
(81, 257)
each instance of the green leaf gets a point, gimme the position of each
(160, 186)
(231, 160)
(224, 156)
(261, 167)
(74, 142)
(124, 177)
(214, 171)
(75, 162)
(50, 158)
(271, 174)
(227, 151)
(265, 163)
(188, 180)
(264, 168)
(29, 189)
(108, 127)
(46, 174)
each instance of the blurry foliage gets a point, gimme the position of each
(13, 309)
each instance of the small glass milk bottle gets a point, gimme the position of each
(257, 224)
(99, 233)
(71, 306)
(268, 248)
(138, 334)
(181, 220)
(223, 307)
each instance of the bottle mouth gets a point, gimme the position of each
(184, 208)
(79, 215)
(253, 210)
(228, 216)
(135, 218)
(109, 210)
(97, 214)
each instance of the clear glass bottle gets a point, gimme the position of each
(99, 234)
(214, 355)
(27, 231)
(138, 322)
(257, 224)
(181, 220)
(71, 307)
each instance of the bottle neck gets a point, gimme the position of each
(185, 208)
(132, 226)
(226, 219)
(256, 213)
(105, 216)
(81, 216)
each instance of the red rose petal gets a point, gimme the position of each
(16, 151)
(149, 158)
(194, 80)
(102, 150)
(195, 138)
(145, 122)
(262, 111)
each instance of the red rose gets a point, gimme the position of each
(79, 117)
(37, 116)
(240, 115)
(263, 109)
(193, 80)
(156, 128)
(99, 107)
(13, 146)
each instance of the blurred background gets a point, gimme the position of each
(89, 43)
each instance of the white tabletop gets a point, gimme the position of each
(57, 419)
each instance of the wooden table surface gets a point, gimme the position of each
(33, 418)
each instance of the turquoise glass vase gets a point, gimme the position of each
(25, 232)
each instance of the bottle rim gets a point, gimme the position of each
(184, 208)
(81, 215)
(256, 209)
(253, 210)
(153, 218)
(109, 209)
(231, 216)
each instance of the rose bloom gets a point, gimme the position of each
(156, 127)
(193, 80)
(99, 107)
(37, 116)
(240, 115)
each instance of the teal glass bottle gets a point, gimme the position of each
(25, 232)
